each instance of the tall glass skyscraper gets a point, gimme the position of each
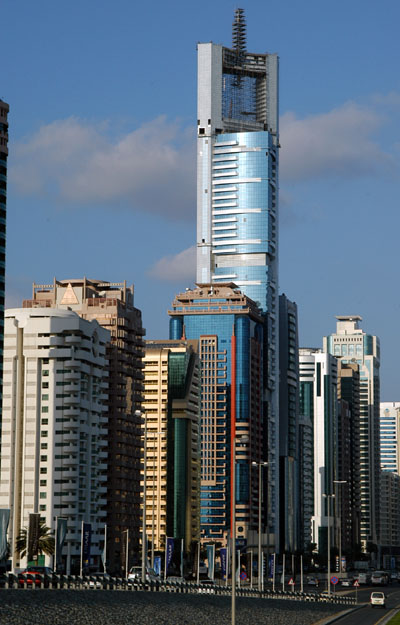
(229, 328)
(237, 193)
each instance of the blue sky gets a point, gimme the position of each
(102, 151)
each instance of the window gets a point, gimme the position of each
(43, 470)
(45, 409)
(43, 482)
(43, 445)
(45, 398)
(45, 385)
(43, 458)
(42, 508)
(43, 496)
(45, 421)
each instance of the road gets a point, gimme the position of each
(367, 615)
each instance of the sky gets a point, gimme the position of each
(101, 179)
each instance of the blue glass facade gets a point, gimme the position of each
(215, 332)
(243, 206)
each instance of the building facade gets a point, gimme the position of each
(229, 329)
(348, 491)
(390, 436)
(53, 455)
(289, 426)
(4, 110)
(351, 344)
(318, 397)
(172, 392)
(112, 305)
(237, 197)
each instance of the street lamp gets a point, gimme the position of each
(328, 497)
(260, 491)
(339, 483)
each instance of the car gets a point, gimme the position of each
(313, 581)
(37, 574)
(364, 578)
(135, 575)
(377, 599)
(347, 581)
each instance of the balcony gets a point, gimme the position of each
(72, 399)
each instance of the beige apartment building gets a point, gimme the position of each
(112, 305)
(172, 433)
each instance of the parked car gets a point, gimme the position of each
(379, 578)
(313, 581)
(135, 575)
(347, 581)
(36, 574)
(364, 579)
(378, 599)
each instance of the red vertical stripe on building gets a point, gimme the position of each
(233, 416)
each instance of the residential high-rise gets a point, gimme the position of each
(112, 305)
(53, 448)
(390, 436)
(348, 492)
(289, 426)
(172, 391)
(390, 481)
(4, 109)
(229, 328)
(237, 195)
(318, 401)
(352, 345)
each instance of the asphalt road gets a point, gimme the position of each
(370, 616)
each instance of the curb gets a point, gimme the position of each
(336, 617)
(385, 619)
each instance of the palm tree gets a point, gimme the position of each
(46, 543)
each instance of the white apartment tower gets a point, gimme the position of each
(352, 345)
(390, 436)
(53, 460)
(319, 407)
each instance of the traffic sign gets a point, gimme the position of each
(243, 575)
(334, 580)
(291, 582)
(356, 583)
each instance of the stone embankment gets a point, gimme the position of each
(107, 607)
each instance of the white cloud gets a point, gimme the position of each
(181, 266)
(338, 143)
(151, 168)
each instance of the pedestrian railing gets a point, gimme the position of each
(92, 582)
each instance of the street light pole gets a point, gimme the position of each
(339, 483)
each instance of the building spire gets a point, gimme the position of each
(239, 32)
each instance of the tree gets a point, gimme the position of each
(46, 543)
